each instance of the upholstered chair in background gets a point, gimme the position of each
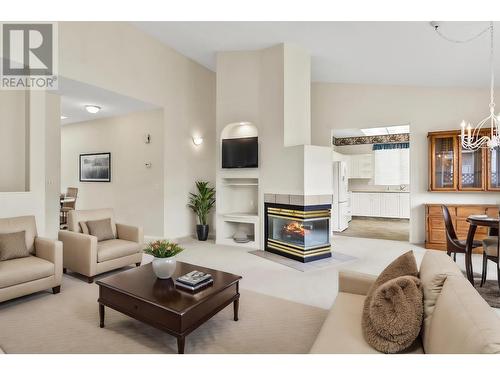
(93, 244)
(490, 252)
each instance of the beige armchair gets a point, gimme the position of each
(85, 255)
(41, 270)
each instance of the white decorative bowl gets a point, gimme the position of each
(164, 268)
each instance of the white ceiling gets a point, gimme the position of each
(76, 95)
(393, 53)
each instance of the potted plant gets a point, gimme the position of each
(201, 203)
(164, 262)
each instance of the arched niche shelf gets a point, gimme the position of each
(243, 129)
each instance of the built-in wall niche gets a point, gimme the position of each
(237, 182)
(242, 129)
(239, 146)
(232, 227)
(239, 196)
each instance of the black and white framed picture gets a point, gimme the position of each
(95, 167)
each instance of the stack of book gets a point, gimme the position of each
(194, 281)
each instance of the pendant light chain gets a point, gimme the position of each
(436, 28)
(473, 139)
(492, 69)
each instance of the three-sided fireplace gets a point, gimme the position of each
(298, 232)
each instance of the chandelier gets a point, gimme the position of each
(475, 138)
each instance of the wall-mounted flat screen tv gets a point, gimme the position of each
(240, 153)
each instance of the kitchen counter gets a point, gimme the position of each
(380, 191)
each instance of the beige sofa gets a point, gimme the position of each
(84, 255)
(41, 270)
(461, 320)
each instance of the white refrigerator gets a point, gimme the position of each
(340, 206)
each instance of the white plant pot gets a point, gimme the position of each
(164, 268)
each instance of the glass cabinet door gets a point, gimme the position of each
(443, 159)
(494, 169)
(471, 170)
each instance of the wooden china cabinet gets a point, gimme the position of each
(493, 168)
(452, 168)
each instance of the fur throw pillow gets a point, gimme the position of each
(392, 307)
(395, 315)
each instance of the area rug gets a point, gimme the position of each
(336, 259)
(490, 292)
(69, 323)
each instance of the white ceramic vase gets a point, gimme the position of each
(164, 268)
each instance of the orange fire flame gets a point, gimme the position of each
(296, 228)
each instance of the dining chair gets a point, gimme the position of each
(490, 252)
(453, 244)
(71, 192)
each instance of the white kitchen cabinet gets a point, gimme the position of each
(360, 204)
(389, 205)
(355, 204)
(380, 204)
(375, 204)
(360, 166)
(404, 205)
(365, 205)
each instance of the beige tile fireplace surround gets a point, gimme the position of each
(298, 200)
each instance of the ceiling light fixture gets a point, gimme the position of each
(477, 138)
(92, 108)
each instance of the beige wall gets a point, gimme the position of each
(281, 167)
(52, 165)
(13, 137)
(135, 192)
(118, 57)
(297, 96)
(341, 106)
(42, 112)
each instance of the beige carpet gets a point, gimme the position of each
(68, 323)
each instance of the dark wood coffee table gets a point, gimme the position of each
(139, 294)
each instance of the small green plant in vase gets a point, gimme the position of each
(202, 203)
(164, 262)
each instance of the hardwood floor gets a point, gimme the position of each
(378, 228)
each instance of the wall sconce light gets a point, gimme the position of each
(147, 139)
(197, 141)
